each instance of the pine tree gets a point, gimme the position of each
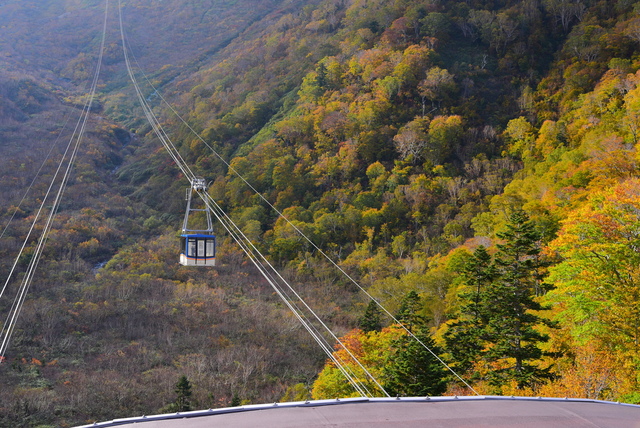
(371, 319)
(235, 400)
(497, 320)
(412, 370)
(511, 324)
(408, 314)
(464, 337)
(183, 389)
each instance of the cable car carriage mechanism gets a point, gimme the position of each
(198, 244)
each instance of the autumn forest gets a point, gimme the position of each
(470, 164)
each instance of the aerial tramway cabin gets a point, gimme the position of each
(198, 246)
(198, 250)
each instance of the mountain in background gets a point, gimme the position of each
(399, 136)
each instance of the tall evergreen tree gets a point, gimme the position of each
(412, 370)
(497, 320)
(235, 400)
(511, 325)
(465, 335)
(409, 312)
(183, 390)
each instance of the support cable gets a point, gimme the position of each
(26, 193)
(41, 208)
(301, 233)
(318, 249)
(230, 225)
(235, 233)
(250, 248)
(9, 326)
(153, 120)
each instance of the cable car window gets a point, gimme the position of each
(210, 248)
(191, 252)
(201, 248)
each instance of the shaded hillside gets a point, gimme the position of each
(50, 36)
(73, 319)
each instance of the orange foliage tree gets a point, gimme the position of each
(597, 294)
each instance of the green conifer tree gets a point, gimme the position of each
(183, 390)
(235, 400)
(498, 317)
(511, 302)
(408, 314)
(464, 337)
(371, 319)
(412, 369)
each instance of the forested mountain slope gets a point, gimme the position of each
(447, 154)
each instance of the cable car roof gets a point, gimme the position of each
(444, 412)
(197, 235)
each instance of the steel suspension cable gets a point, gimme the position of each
(9, 326)
(153, 121)
(311, 329)
(42, 205)
(221, 215)
(230, 225)
(317, 248)
(37, 174)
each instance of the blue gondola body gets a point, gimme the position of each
(198, 250)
